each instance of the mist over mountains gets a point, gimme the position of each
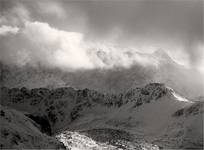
(101, 74)
(160, 68)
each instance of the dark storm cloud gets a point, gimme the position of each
(161, 23)
(153, 22)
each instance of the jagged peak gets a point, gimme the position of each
(153, 86)
(153, 91)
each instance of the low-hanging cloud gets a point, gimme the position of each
(63, 34)
(39, 43)
(4, 30)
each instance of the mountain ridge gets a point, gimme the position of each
(70, 111)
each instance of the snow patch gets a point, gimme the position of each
(179, 98)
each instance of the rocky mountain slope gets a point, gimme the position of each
(19, 131)
(148, 117)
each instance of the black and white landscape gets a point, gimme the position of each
(101, 75)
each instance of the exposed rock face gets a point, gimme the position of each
(43, 122)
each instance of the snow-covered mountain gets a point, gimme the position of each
(148, 117)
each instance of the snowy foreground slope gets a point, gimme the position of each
(148, 117)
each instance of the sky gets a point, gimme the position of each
(68, 33)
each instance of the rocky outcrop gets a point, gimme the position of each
(43, 123)
(52, 103)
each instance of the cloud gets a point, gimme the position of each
(13, 13)
(171, 25)
(54, 48)
(52, 8)
(8, 29)
(103, 42)
(39, 43)
(175, 26)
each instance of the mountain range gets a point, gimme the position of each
(160, 68)
(152, 116)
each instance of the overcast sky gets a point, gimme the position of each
(44, 27)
